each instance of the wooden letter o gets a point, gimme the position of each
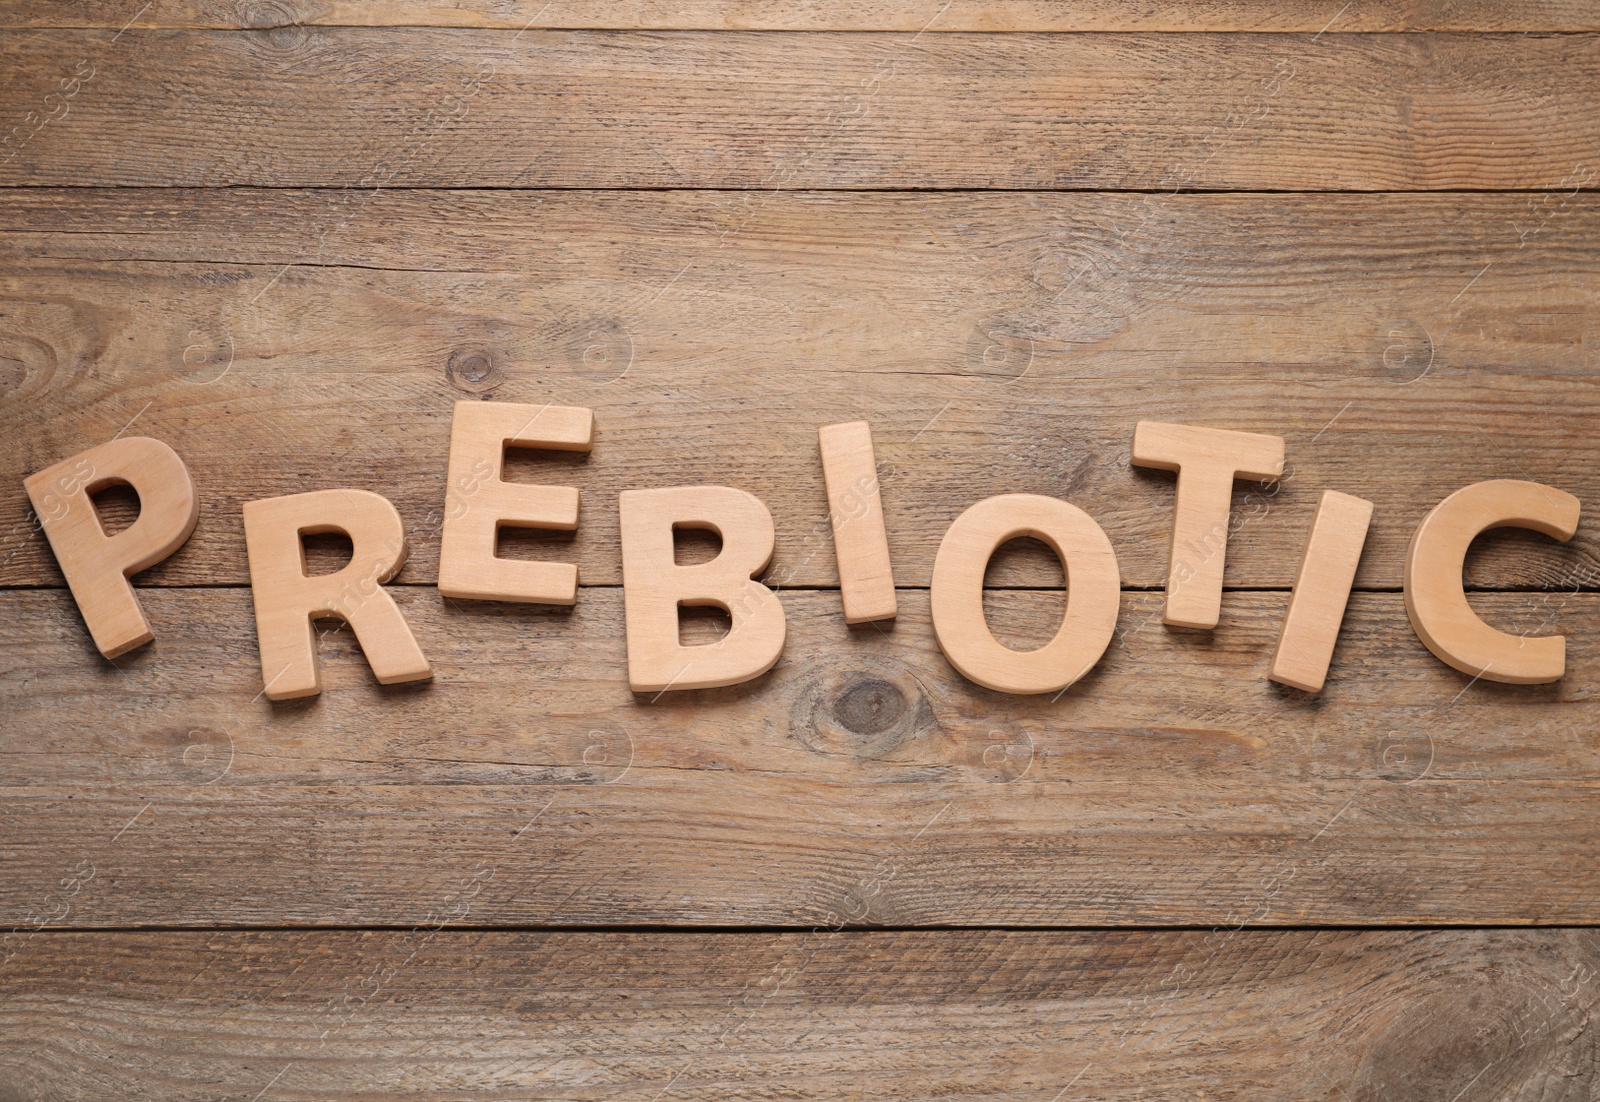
(1093, 593)
(1436, 602)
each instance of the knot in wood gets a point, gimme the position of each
(282, 30)
(474, 370)
(871, 706)
(868, 711)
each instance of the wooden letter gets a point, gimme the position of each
(1321, 591)
(287, 600)
(1093, 591)
(478, 504)
(97, 566)
(654, 587)
(1207, 462)
(1437, 603)
(866, 580)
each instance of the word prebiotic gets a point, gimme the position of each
(479, 502)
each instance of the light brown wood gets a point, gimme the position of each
(656, 586)
(918, 311)
(479, 502)
(956, 596)
(284, 16)
(1321, 591)
(97, 564)
(861, 778)
(764, 112)
(1207, 462)
(1436, 601)
(287, 599)
(995, 1015)
(1403, 344)
(855, 509)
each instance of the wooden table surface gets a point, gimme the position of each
(286, 236)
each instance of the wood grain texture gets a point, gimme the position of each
(453, 108)
(1469, 1015)
(315, 329)
(861, 780)
(1404, 346)
(927, 16)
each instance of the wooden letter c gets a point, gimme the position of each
(1437, 602)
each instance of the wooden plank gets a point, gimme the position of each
(861, 780)
(1404, 345)
(924, 16)
(439, 107)
(1471, 1015)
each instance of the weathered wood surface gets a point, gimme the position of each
(927, 16)
(1470, 1016)
(860, 781)
(286, 338)
(454, 108)
(1404, 345)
